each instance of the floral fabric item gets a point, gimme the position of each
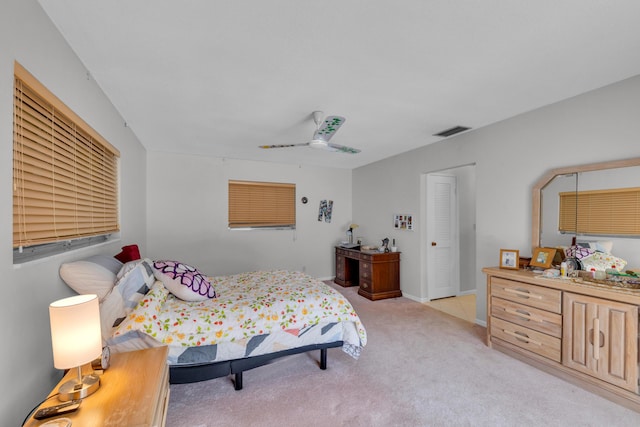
(250, 310)
(600, 261)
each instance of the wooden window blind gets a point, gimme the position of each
(613, 212)
(64, 173)
(261, 204)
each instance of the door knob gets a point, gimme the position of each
(433, 243)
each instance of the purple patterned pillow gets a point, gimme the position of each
(578, 252)
(184, 281)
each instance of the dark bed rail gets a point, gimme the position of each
(203, 372)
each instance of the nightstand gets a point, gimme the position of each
(134, 391)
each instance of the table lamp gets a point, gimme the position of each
(76, 340)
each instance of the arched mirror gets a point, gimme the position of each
(596, 176)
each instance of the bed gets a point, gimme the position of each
(219, 326)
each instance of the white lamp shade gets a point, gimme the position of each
(75, 331)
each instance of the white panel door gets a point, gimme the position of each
(443, 271)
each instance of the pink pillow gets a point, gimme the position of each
(183, 280)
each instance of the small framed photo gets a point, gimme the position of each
(403, 222)
(543, 257)
(509, 258)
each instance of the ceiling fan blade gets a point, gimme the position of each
(343, 148)
(284, 145)
(329, 126)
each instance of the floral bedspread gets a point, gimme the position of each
(254, 313)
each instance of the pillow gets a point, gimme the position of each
(93, 275)
(184, 281)
(605, 246)
(578, 252)
(128, 253)
(129, 290)
(599, 261)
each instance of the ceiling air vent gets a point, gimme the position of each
(452, 131)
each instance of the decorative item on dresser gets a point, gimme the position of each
(583, 332)
(509, 258)
(376, 273)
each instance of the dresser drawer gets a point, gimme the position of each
(530, 317)
(531, 295)
(536, 342)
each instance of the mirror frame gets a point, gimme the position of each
(536, 214)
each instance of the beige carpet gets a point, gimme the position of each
(421, 367)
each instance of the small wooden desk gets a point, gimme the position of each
(376, 273)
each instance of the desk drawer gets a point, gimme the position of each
(366, 257)
(536, 342)
(365, 270)
(531, 295)
(529, 317)
(341, 252)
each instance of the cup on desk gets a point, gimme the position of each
(394, 249)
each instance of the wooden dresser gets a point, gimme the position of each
(586, 333)
(376, 273)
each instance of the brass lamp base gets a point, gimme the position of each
(78, 388)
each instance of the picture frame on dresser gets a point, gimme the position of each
(542, 257)
(510, 259)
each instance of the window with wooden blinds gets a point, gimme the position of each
(262, 205)
(64, 173)
(614, 212)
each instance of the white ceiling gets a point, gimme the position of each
(220, 78)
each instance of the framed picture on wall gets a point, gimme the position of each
(542, 257)
(509, 258)
(403, 222)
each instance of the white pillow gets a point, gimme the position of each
(605, 246)
(93, 275)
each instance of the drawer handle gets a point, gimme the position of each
(592, 333)
(522, 337)
(523, 293)
(523, 314)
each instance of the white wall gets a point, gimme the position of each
(510, 156)
(187, 215)
(26, 363)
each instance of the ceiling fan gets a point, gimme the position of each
(325, 129)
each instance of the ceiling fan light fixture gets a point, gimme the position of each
(318, 143)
